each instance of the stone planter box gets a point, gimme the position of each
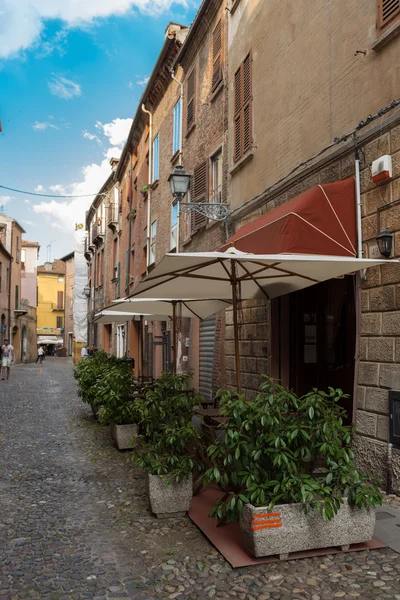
(169, 499)
(287, 528)
(122, 435)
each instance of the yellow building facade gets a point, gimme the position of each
(51, 303)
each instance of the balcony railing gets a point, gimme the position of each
(55, 306)
(112, 215)
(87, 253)
(98, 231)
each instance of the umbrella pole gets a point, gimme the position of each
(141, 361)
(174, 335)
(236, 328)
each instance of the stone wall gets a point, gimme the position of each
(379, 317)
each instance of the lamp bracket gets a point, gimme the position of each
(214, 211)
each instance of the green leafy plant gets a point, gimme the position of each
(279, 449)
(113, 391)
(166, 446)
(133, 213)
(86, 374)
(144, 190)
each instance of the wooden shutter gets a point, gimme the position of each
(242, 125)
(217, 56)
(119, 279)
(247, 138)
(191, 94)
(388, 11)
(237, 143)
(60, 300)
(198, 193)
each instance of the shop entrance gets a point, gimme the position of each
(314, 338)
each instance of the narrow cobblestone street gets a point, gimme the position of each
(74, 520)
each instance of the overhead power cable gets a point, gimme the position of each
(4, 187)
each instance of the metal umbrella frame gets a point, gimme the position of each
(160, 308)
(239, 276)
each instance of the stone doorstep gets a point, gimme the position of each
(387, 527)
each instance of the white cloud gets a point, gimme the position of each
(143, 81)
(27, 201)
(117, 131)
(22, 21)
(5, 200)
(130, 85)
(40, 126)
(65, 213)
(39, 188)
(28, 222)
(64, 88)
(90, 136)
(59, 189)
(113, 152)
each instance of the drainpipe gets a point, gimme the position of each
(178, 226)
(9, 285)
(149, 183)
(358, 203)
(128, 266)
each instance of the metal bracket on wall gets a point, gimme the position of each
(214, 211)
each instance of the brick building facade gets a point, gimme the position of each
(275, 97)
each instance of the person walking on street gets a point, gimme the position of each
(40, 355)
(7, 358)
(84, 352)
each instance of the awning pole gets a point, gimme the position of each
(235, 326)
(358, 203)
(174, 334)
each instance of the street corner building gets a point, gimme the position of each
(51, 304)
(18, 264)
(293, 148)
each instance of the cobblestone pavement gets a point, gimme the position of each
(74, 520)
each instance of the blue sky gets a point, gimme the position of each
(71, 75)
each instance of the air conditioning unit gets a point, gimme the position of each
(382, 169)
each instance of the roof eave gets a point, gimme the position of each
(169, 41)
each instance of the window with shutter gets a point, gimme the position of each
(388, 12)
(191, 96)
(198, 193)
(60, 300)
(217, 56)
(242, 124)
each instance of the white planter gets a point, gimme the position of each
(170, 499)
(287, 528)
(122, 435)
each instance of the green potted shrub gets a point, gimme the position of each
(113, 391)
(86, 374)
(165, 447)
(288, 472)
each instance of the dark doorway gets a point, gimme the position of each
(314, 338)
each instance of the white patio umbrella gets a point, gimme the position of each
(157, 309)
(236, 276)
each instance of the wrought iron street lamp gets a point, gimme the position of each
(86, 291)
(179, 181)
(385, 242)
